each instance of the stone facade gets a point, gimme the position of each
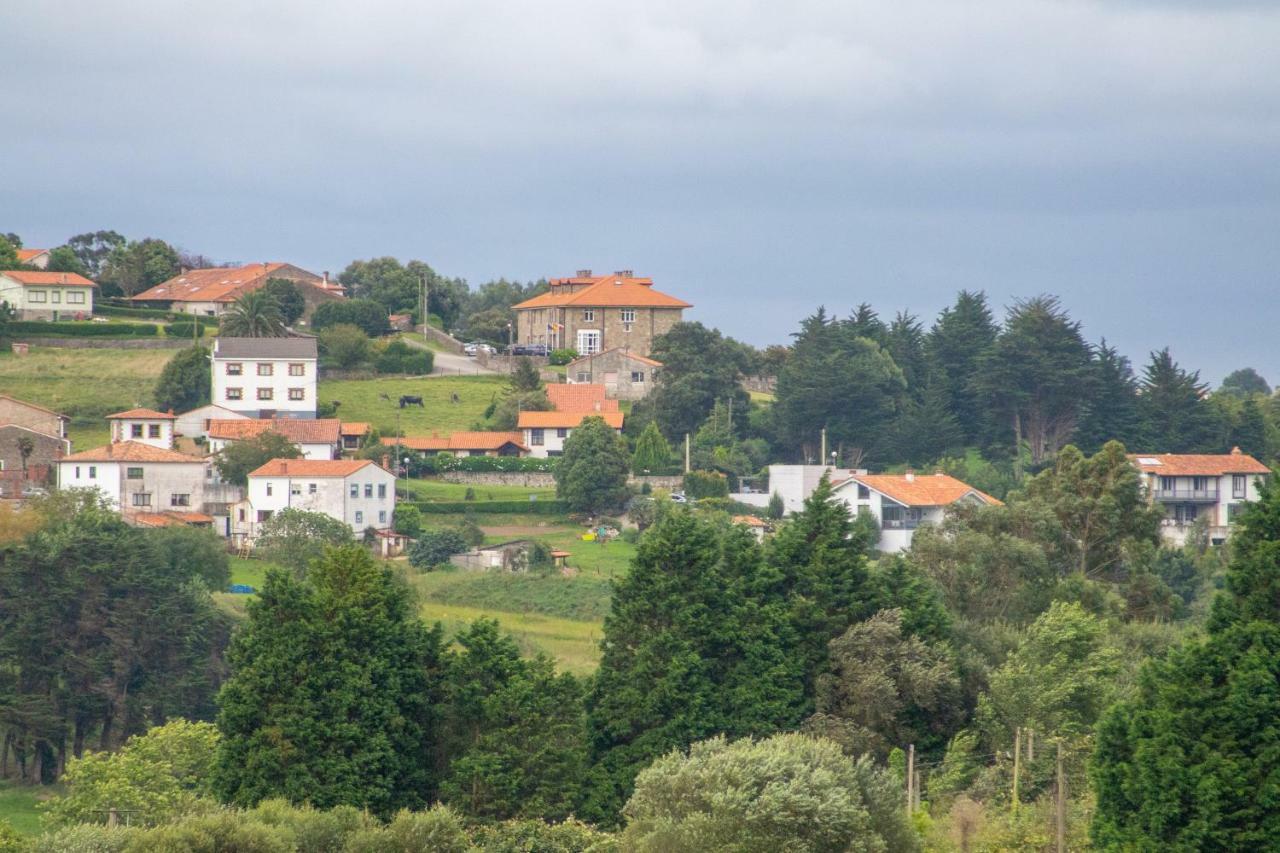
(32, 417)
(623, 375)
(45, 452)
(636, 336)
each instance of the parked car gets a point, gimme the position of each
(528, 349)
(679, 498)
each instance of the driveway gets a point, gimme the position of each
(451, 364)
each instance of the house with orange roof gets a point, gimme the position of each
(357, 492)
(580, 398)
(901, 503)
(143, 425)
(546, 432)
(593, 313)
(317, 438)
(210, 292)
(465, 444)
(38, 258)
(139, 478)
(1209, 488)
(623, 374)
(42, 295)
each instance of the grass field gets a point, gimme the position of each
(18, 806)
(84, 384)
(438, 490)
(362, 401)
(581, 598)
(574, 644)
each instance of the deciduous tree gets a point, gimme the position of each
(238, 458)
(185, 382)
(591, 476)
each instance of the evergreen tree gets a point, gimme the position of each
(288, 297)
(864, 322)
(1111, 411)
(925, 428)
(1249, 432)
(1190, 762)
(700, 367)
(1176, 418)
(591, 476)
(185, 381)
(332, 692)
(524, 376)
(691, 648)
(957, 343)
(653, 454)
(1245, 382)
(904, 340)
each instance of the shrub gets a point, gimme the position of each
(321, 831)
(11, 841)
(471, 532)
(519, 836)
(443, 462)
(562, 356)
(107, 309)
(184, 328)
(222, 830)
(87, 838)
(369, 315)
(407, 520)
(344, 344)
(706, 484)
(435, 547)
(399, 357)
(538, 507)
(439, 830)
(81, 330)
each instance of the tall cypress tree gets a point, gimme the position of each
(959, 338)
(1176, 417)
(1111, 410)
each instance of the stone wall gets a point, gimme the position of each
(106, 343)
(540, 479)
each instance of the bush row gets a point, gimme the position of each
(83, 330)
(443, 462)
(538, 507)
(108, 309)
(184, 328)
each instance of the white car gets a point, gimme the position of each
(476, 347)
(679, 498)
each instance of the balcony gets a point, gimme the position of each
(900, 524)
(1188, 494)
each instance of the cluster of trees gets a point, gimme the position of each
(120, 266)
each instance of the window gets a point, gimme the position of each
(36, 296)
(311, 488)
(270, 489)
(1232, 511)
(297, 394)
(180, 500)
(359, 517)
(135, 430)
(561, 432)
(297, 370)
(637, 376)
(264, 515)
(382, 516)
(368, 490)
(589, 315)
(153, 430)
(864, 493)
(133, 473)
(628, 315)
(93, 472)
(142, 499)
(535, 437)
(588, 342)
(1166, 484)
(55, 296)
(265, 368)
(1200, 484)
(75, 297)
(1239, 485)
(382, 490)
(77, 472)
(242, 515)
(584, 376)
(266, 394)
(295, 489)
(235, 368)
(355, 490)
(235, 394)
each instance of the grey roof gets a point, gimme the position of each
(292, 347)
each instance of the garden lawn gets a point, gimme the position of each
(362, 401)
(575, 645)
(18, 805)
(84, 384)
(438, 490)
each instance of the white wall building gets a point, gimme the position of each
(901, 503)
(146, 426)
(266, 377)
(546, 432)
(1199, 486)
(140, 479)
(196, 422)
(318, 438)
(354, 491)
(40, 295)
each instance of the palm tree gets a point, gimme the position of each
(254, 315)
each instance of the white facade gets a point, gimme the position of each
(310, 450)
(46, 295)
(1207, 488)
(544, 441)
(265, 377)
(196, 422)
(794, 484)
(139, 427)
(133, 486)
(357, 493)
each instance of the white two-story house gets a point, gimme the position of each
(143, 482)
(356, 492)
(266, 377)
(146, 426)
(1199, 486)
(901, 503)
(546, 432)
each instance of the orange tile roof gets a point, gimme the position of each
(920, 489)
(311, 468)
(33, 277)
(604, 291)
(749, 521)
(142, 413)
(461, 441)
(170, 518)
(25, 255)
(354, 428)
(215, 284)
(580, 398)
(565, 420)
(297, 430)
(130, 451)
(33, 406)
(1198, 464)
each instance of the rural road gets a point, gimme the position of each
(451, 364)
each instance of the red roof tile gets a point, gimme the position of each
(604, 291)
(151, 414)
(1198, 464)
(215, 284)
(25, 255)
(310, 468)
(130, 451)
(565, 420)
(580, 398)
(460, 441)
(297, 430)
(37, 277)
(354, 428)
(920, 489)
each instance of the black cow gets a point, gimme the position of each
(410, 400)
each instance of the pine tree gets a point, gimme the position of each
(1111, 411)
(1249, 433)
(1176, 417)
(653, 453)
(957, 342)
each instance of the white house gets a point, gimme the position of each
(196, 422)
(266, 377)
(546, 432)
(318, 438)
(38, 258)
(141, 480)
(1199, 486)
(354, 491)
(146, 426)
(41, 295)
(900, 503)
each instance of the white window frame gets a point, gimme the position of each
(628, 315)
(235, 393)
(75, 297)
(37, 296)
(589, 341)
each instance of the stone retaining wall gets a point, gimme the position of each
(106, 343)
(539, 479)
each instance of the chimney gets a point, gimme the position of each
(386, 462)
(625, 273)
(583, 274)
(184, 269)
(326, 276)
(1235, 451)
(911, 476)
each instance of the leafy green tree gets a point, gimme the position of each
(1245, 382)
(524, 376)
(255, 314)
(9, 254)
(435, 547)
(346, 345)
(1176, 417)
(64, 259)
(925, 429)
(296, 538)
(238, 458)
(154, 778)
(1111, 411)
(194, 552)
(134, 266)
(957, 343)
(787, 792)
(185, 383)
(591, 476)
(693, 646)
(93, 248)
(653, 454)
(700, 367)
(287, 295)
(407, 520)
(369, 315)
(353, 721)
(398, 287)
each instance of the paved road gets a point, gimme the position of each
(451, 364)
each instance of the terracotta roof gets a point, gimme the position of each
(170, 518)
(130, 451)
(142, 413)
(461, 441)
(580, 398)
(34, 277)
(33, 406)
(625, 354)
(216, 284)
(1198, 464)
(919, 489)
(354, 428)
(565, 420)
(25, 255)
(297, 430)
(311, 468)
(603, 292)
(749, 521)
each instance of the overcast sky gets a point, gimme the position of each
(757, 159)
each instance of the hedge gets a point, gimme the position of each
(184, 328)
(109, 310)
(439, 464)
(82, 330)
(538, 507)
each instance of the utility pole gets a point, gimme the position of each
(822, 457)
(1017, 765)
(686, 453)
(911, 778)
(1031, 749)
(425, 302)
(1061, 804)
